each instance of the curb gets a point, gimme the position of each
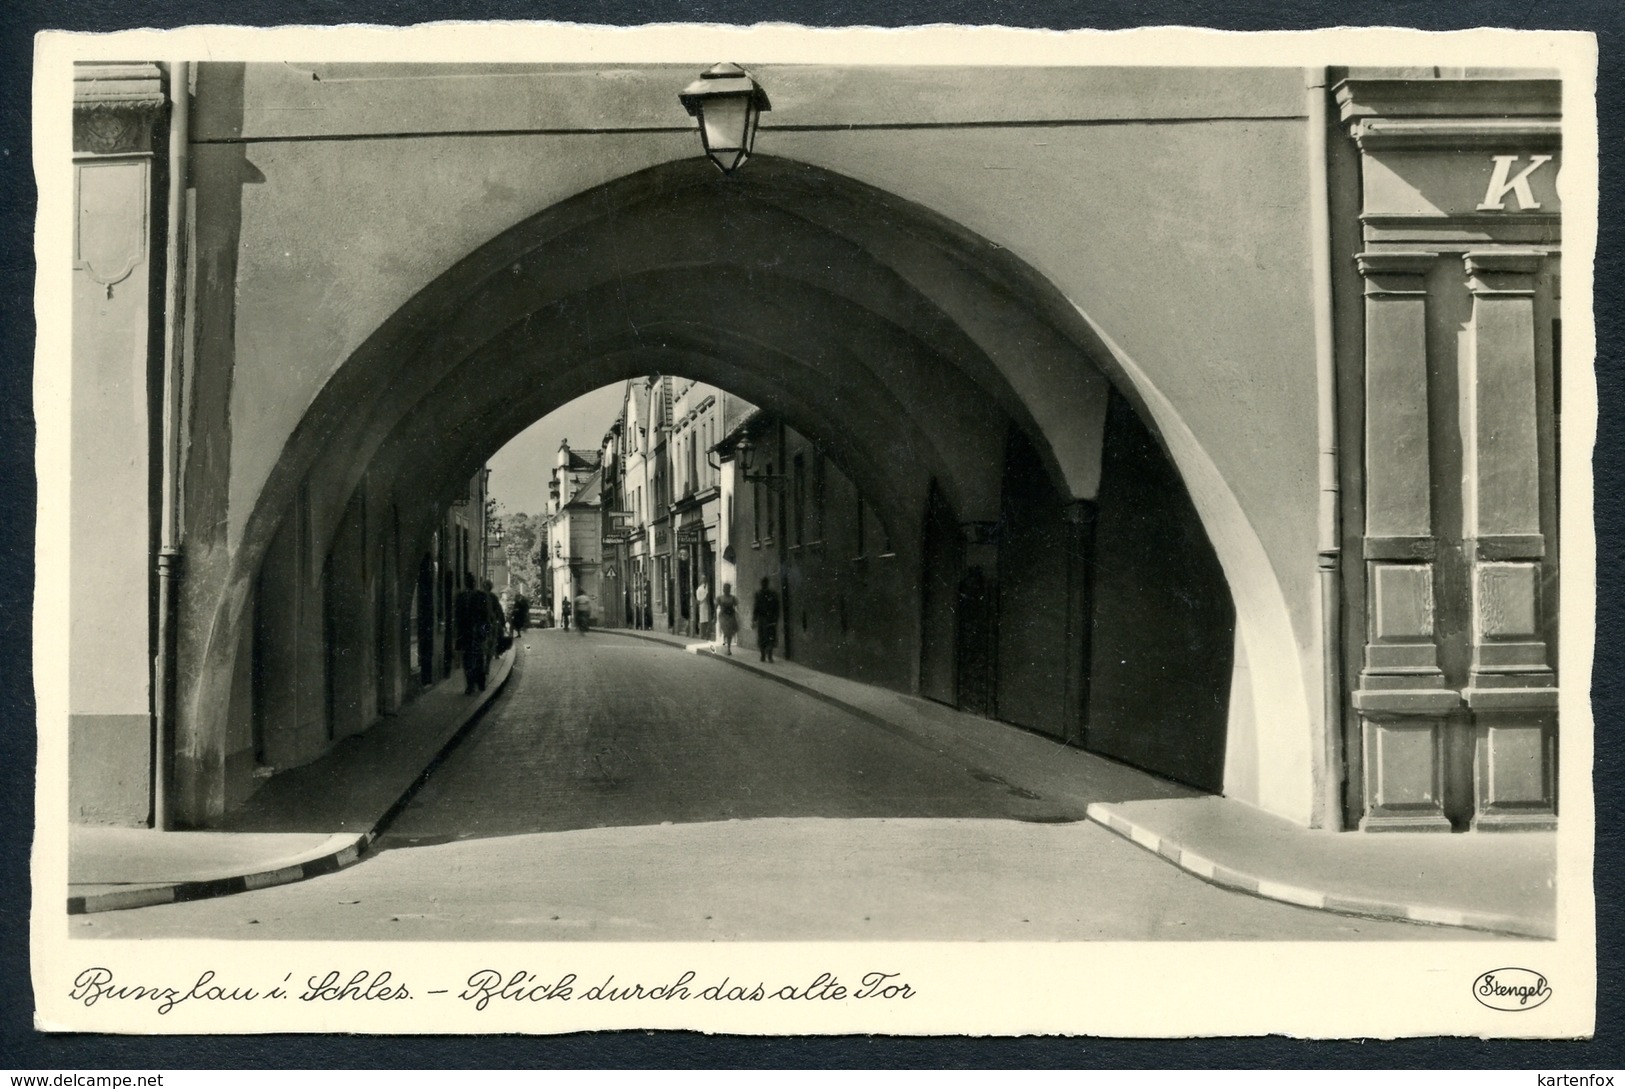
(1226, 877)
(178, 892)
(182, 891)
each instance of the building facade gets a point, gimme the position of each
(574, 553)
(1219, 432)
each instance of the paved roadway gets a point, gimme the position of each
(619, 789)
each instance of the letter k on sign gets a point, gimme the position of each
(1500, 184)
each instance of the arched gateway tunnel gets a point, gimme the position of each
(1131, 367)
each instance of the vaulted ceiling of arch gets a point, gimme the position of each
(899, 345)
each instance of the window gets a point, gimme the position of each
(710, 473)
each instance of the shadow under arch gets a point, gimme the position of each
(646, 254)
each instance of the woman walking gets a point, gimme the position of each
(727, 617)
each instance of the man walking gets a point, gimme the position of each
(473, 620)
(496, 623)
(764, 616)
(583, 611)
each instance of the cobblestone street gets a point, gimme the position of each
(608, 731)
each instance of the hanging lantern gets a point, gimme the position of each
(728, 104)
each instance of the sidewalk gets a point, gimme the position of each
(1503, 883)
(304, 822)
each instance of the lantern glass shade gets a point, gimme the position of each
(725, 125)
(728, 104)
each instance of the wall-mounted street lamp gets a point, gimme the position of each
(728, 103)
(745, 450)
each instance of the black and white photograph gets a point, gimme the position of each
(547, 528)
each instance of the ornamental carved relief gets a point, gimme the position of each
(113, 130)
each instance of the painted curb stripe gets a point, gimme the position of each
(1197, 865)
(1291, 894)
(1235, 879)
(115, 901)
(1441, 916)
(274, 877)
(1225, 877)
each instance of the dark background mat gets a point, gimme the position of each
(21, 1047)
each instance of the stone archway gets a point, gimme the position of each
(908, 345)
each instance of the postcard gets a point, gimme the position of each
(764, 530)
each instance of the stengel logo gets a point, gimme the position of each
(1511, 990)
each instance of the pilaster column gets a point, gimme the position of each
(1401, 693)
(1460, 168)
(118, 110)
(1511, 689)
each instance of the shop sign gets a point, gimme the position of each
(1434, 183)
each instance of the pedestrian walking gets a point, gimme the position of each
(583, 610)
(727, 617)
(497, 640)
(564, 614)
(764, 616)
(702, 609)
(472, 615)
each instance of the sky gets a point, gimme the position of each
(520, 470)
